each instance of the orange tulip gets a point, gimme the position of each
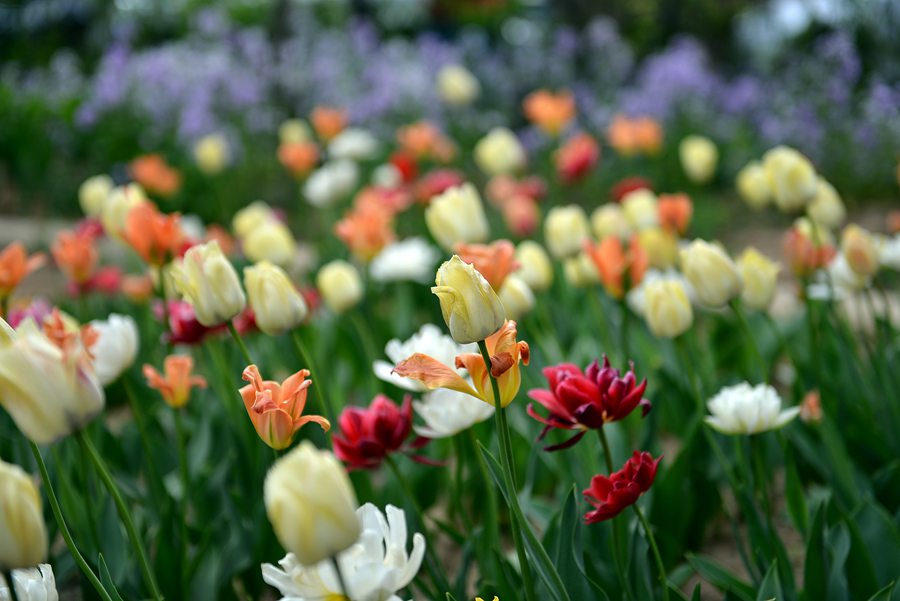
(137, 288)
(675, 211)
(15, 264)
(328, 122)
(505, 352)
(153, 173)
(804, 255)
(298, 157)
(366, 230)
(423, 140)
(634, 136)
(522, 215)
(494, 261)
(551, 112)
(175, 386)
(76, 255)
(276, 410)
(155, 236)
(619, 270)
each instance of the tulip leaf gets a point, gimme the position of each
(793, 490)
(107, 581)
(720, 577)
(885, 594)
(814, 567)
(770, 588)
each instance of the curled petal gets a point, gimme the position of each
(433, 374)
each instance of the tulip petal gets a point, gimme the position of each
(433, 374)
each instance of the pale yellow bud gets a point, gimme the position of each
(535, 267)
(311, 504)
(667, 308)
(118, 204)
(641, 209)
(207, 280)
(23, 537)
(711, 272)
(252, 216)
(792, 178)
(92, 194)
(610, 220)
(699, 157)
(277, 306)
(661, 247)
(294, 131)
(457, 215)
(565, 230)
(211, 153)
(827, 208)
(760, 275)
(499, 152)
(860, 249)
(340, 285)
(457, 86)
(753, 185)
(471, 308)
(271, 241)
(580, 271)
(516, 297)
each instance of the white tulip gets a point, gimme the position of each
(353, 143)
(411, 260)
(746, 409)
(331, 183)
(116, 346)
(429, 340)
(448, 412)
(33, 584)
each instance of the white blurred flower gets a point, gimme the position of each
(746, 409)
(116, 346)
(411, 260)
(641, 209)
(448, 412)
(331, 183)
(387, 176)
(33, 584)
(889, 251)
(93, 192)
(353, 143)
(837, 281)
(375, 568)
(456, 85)
(429, 340)
(212, 153)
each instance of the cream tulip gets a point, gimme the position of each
(294, 131)
(641, 209)
(277, 306)
(457, 215)
(667, 308)
(699, 157)
(211, 153)
(208, 281)
(499, 152)
(23, 536)
(340, 286)
(746, 409)
(792, 178)
(860, 249)
(827, 208)
(760, 275)
(661, 247)
(535, 267)
(565, 230)
(711, 272)
(254, 215)
(609, 220)
(457, 86)
(471, 308)
(272, 241)
(92, 194)
(118, 204)
(753, 185)
(516, 297)
(115, 348)
(580, 271)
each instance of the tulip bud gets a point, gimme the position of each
(499, 152)
(471, 308)
(641, 209)
(667, 308)
(711, 272)
(860, 249)
(565, 230)
(311, 504)
(115, 348)
(271, 241)
(753, 185)
(792, 178)
(580, 271)
(23, 537)
(277, 306)
(457, 215)
(340, 285)
(207, 280)
(535, 268)
(661, 247)
(457, 86)
(609, 220)
(254, 215)
(211, 153)
(516, 297)
(92, 194)
(759, 274)
(294, 131)
(699, 157)
(827, 209)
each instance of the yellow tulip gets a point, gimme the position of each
(211, 153)
(535, 267)
(609, 220)
(516, 297)
(471, 308)
(294, 131)
(207, 280)
(277, 306)
(457, 215)
(118, 204)
(661, 247)
(457, 86)
(580, 271)
(753, 185)
(699, 157)
(827, 208)
(711, 272)
(92, 194)
(254, 215)
(641, 209)
(499, 152)
(340, 286)
(271, 241)
(23, 537)
(565, 230)
(792, 178)
(667, 308)
(759, 274)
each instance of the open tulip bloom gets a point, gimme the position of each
(611, 494)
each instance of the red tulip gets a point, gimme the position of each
(368, 435)
(610, 495)
(585, 401)
(183, 325)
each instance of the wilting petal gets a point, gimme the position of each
(433, 374)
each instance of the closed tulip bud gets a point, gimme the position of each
(641, 209)
(23, 537)
(516, 297)
(277, 306)
(499, 152)
(792, 178)
(535, 268)
(711, 272)
(271, 242)
(609, 220)
(254, 215)
(311, 504)
(661, 247)
(471, 308)
(759, 274)
(753, 185)
(667, 308)
(565, 230)
(340, 286)
(699, 157)
(860, 249)
(457, 215)
(827, 208)
(457, 86)
(207, 280)
(211, 153)
(115, 348)
(92, 194)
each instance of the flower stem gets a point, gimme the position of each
(240, 341)
(509, 476)
(318, 377)
(184, 502)
(754, 348)
(661, 568)
(615, 524)
(124, 513)
(491, 519)
(64, 528)
(340, 576)
(623, 330)
(368, 345)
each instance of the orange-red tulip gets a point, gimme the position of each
(175, 386)
(75, 255)
(675, 211)
(298, 157)
(15, 264)
(576, 157)
(424, 140)
(153, 173)
(366, 230)
(619, 269)
(494, 261)
(641, 135)
(328, 121)
(155, 236)
(551, 112)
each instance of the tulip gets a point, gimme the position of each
(446, 413)
(860, 250)
(254, 215)
(609, 220)
(207, 280)
(366, 230)
(667, 308)
(661, 247)
(811, 407)
(826, 208)
(32, 584)
(759, 274)
(340, 286)
(745, 409)
(155, 175)
(587, 400)
(711, 272)
(521, 215)
(457, 86)
(115, 348)
(580, 270)
(328, 121)
(516, 297)
(435, 182)
(155, 236)
(92, 194)
(277, 306)
(753, 185)
(535, 268)
(675, 211)
(331, 183)
(792, 178)
(117, 206)
(211, 153)
(576, 157)
(619, 269)
(471, 308)
(808, 247)
(550, 112)
(311, 504)
(23, 537)
(423, 140)
(369, 435)
(183, 327)
(631, 136)
(76, 255)
(272, 242)
(499, 152)
(276, 410)
(457, 215)
(641, 209)
(411, 260)
(611, 495)
(176, 385)
(494, 261)
(429, 340)
(627, 185)
(565, 230)
(15, 265)
(298, 157)
(699, 157)
(47, 380)
(293, 131)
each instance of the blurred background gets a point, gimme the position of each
(88, 85)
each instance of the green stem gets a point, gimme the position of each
(8, 575)
(661, 568)
(491, 521)
(340, 576)
(509, 476)
(748, 333)
(365, 335)
(240, 341)
(623, 331)
(124, 513)
(64, 528)
(184, 502)
(318, 377)
(618, 553)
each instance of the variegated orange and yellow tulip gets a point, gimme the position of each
(177, 381)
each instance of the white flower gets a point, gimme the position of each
(353, 143)
(429, 340)
(374, 569)
(411, 260)
(387, 176)
(889, 251)
(745, 409)
(116, 346)
(331, 183)
(33, 584)
(448, 412)
(456, 85)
